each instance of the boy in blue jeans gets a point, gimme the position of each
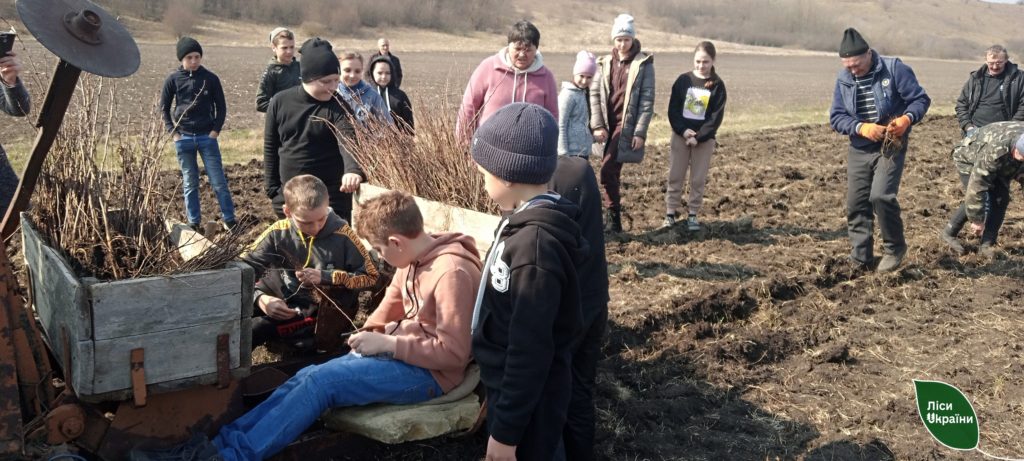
(527, 318)
(198, 116)
(415, 346)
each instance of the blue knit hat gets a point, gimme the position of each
(518, 144)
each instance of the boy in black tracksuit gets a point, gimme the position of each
(283, 70)
(312, 247)
(527, 316)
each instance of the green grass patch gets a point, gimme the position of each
(236, 147)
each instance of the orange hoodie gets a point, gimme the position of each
(429, 307)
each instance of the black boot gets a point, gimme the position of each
(613, 220)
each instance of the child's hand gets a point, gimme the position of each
(308, 276)
(350, 182)
(370, 343)
(692, 142)
(689, 133)
(977, 228)
(276, 308)
(497, 451)
(638, 143)
(600, 135)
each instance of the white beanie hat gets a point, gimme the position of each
(623, 25)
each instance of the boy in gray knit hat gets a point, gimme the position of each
(527, 314)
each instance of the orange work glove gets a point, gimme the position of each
(872, 131)
(898, 126)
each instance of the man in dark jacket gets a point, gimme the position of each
(992, 93)
(575, 181)
(302, 130)
(876, 98)
(283, 70)
(384, 49)
(197, 119)
(987, 160)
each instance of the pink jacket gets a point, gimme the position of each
(495, 83)
(429, 307)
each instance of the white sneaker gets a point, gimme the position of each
(670, 220)
(692, 224)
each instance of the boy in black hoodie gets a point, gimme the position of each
(198, 117)
(527, 315)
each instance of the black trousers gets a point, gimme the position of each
(873, 182)
(580, 424)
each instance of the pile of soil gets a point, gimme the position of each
(753, 339)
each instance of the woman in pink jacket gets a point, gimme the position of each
(516, 74)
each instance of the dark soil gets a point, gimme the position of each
(753, 339)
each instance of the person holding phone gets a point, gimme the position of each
(16, 102)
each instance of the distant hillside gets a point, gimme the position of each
(955, 29)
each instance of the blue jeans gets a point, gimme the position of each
(348, 380)
(208, 148)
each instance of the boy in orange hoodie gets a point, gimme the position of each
(415, 346)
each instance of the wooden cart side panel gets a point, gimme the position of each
(171, 355)
(82, 366)
(134, 307)
(246, 299)
(58, 297)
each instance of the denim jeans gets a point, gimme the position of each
(348, 380)
(208, 148)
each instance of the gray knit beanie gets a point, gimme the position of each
(518, 144)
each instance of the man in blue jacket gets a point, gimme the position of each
(877, 98)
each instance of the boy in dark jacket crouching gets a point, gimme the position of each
(309, 255)
(527, 316)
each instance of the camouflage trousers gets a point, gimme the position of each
(995, 211)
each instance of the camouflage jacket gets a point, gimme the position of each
(987, 156)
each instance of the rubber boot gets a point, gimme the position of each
(613, 220)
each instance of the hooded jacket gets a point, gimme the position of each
(277, 78)
(396, 68)
(529, 314)
(896, 93)
(574, 136)
(496, 83)
(970, 95)
(365, 101)
(344, 263)
(198, 100)
(395, 100)
(638, 106)
(987, 156)
(428, 307)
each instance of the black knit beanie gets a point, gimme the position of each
(187, 45)
(318, 59)
(853, 44)
(518, 144)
